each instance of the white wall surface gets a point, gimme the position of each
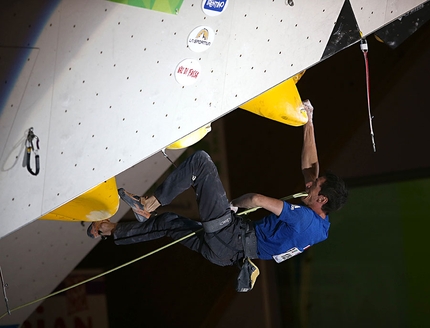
(95, 80)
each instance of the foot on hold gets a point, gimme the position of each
(141, 206)
(102, 229)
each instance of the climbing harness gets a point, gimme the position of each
(32, 145)
(364, 48)
(217, 224)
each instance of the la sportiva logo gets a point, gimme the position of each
(201, 38)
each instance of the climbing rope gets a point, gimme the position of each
(125, 264)
(364, 48)
(4, 286)
(99, 275)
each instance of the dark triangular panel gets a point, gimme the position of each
(345, 31)
(398, 31)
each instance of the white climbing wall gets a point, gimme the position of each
(96, 81)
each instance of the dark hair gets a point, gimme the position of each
(335, 190)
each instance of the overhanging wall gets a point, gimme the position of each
(96, 81)
(97, 84)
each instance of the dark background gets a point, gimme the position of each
(178, 288)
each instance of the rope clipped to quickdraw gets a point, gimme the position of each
(167, 156)
(364, 48)
(32, 145)
(123, 265)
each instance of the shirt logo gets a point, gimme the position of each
(293, 207)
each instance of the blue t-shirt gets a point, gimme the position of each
(290, 233)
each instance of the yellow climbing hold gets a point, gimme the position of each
(282, 103)
(99, 203)
(191, 138)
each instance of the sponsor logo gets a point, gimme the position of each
(288, 254)
(214, 7)
(224, 222)
(187, 72)
(201, 38)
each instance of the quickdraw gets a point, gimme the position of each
(364, 48)
(30, 146)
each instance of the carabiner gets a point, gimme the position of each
(363, 45)
(30, 147)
